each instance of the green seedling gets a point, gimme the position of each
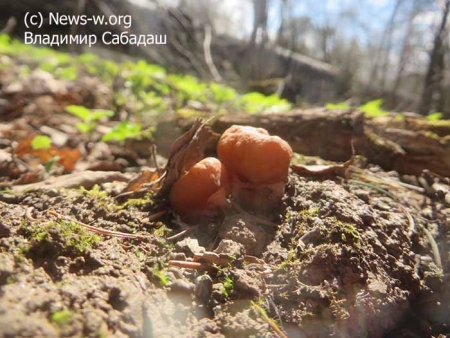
(41, 142)
(162, 276)
(61, 317)
(228, 286)
(89, 117)
(257, 102)
(123, 131)
(373, 108)
(434, 116)
(337, 106)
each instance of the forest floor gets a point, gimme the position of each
(90, 248)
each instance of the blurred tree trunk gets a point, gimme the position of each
(386, 46)
(260, 22)
(283, 18)
(405, 52)
(379, 69)
(435, 74)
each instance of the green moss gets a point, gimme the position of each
(11, 280)
(291, 259)
(161, 275)
(95, 193)
(227, 286)
(343, 232)
(60, 237)
(162, 231)
(61, 317)
(145, 202)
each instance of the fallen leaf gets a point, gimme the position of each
(186, 151)
(322, 170)
(146, 175)
(67, 157)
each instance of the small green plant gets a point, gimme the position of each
(122, 131)
(10, 280)
(96, 193)
(260, 310)
(89, 117)
(290, 260)
(61, 317)
(41, 142)
(51, 162)
(256, 102)
(222, 94)
(228, 286)
(434, 116)
(373, 108)
(162, 275)
(337, 106)
(162, 231)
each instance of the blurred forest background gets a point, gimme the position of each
(308, 52)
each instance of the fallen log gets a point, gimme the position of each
(408, 145)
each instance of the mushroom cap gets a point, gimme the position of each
(253, 155)
(203, 187)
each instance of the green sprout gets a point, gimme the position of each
(61, 317)
(89, 117)
(41, 142)
(122, 131)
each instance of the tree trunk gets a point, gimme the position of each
(435, 73)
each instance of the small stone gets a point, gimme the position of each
(6, 267)
(183, 286)
(244, 230)
(177, 256)
(4, 229)
(203, 288)
(229, 247)
(248, 282)
(189, 246)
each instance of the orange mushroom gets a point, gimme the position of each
(200, 190)
(253, 155)
(258, 165)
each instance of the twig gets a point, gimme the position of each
(156, 215)
(187, 265)
(154, 154)
(98, 230)
(208, 57)
(269, 320)
(434, 248)
(29, 215)
(181, 234)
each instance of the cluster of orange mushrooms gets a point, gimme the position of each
(252, 168)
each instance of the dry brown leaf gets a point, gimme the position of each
(322, 170)
(186, 151)
(146, 175)
(28, 178)
(67, 157)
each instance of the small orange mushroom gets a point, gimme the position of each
(253, 155)
(200, 190)
(258, 165)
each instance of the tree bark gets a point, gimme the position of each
(435, 73)
(409, 145)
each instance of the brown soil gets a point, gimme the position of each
(339, 261)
